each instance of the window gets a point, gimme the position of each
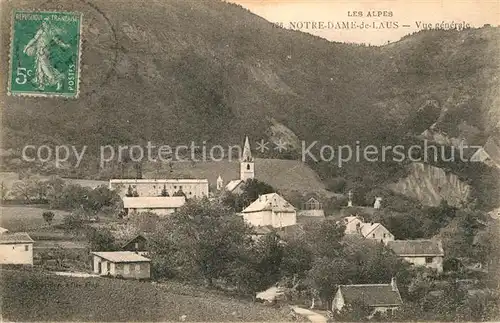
(126, 269)
(138, 267)
(373, 235)
(26, 248)
(384, 235)
(248, 166)
(109, 266)
(180, 187)
(136, 245)
(428, 260)
(175, 186)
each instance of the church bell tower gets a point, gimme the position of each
(247, 170)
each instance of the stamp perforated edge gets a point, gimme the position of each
(46, 95)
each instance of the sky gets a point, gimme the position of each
(401, 16)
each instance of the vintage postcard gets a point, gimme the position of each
(250, 161)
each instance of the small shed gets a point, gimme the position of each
(126, 264)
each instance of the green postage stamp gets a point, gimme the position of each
(45, 53)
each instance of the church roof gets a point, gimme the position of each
(233, 184)
(271, 201)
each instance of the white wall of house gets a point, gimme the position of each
(16, 253)
(127, 270)
(382, 309)
(381, 234)
(436, 262)
(352, 226)
(158, 211)
(135, 270)
(283, 219)
(268, 217)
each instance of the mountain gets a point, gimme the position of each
(173, 72)
(283, 175)
(431, 185)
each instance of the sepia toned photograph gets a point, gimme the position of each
(249, 161)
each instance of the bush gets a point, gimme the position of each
(48, 216)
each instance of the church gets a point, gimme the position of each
(247, 171)
(269, 210)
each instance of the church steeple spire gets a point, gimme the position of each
(247, 153)
(246, 162)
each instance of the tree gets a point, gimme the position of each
(74, 220)
(269, 253)
(253, 188)
(4, 191)
(179, 193)
(371, 261)
(297, 257)
(48, 216)
(324, 238)
(354, 311)
(164, 191)
(101, 239)
(325, 275)
(25, 189)
(206, 240)
(130, 191)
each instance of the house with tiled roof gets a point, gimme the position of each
(16, 249)
(270, 210)
(376, 231)
(369, 230)
(428, 253)
(126, 264)
(380, 298)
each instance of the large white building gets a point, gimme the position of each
(16, 249)
(270, 210)
(158, 205)
(192, 188)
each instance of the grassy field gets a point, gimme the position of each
(26, 218)
(35, 296)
